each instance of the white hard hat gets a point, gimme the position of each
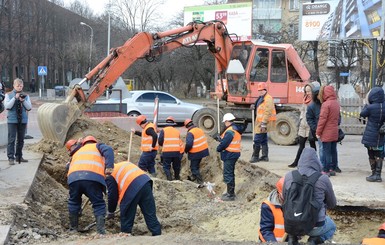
(228, 117)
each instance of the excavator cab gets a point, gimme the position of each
(277, 65)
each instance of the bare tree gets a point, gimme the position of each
(135, 15)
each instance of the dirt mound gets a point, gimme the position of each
(183, 210)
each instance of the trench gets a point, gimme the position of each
(182, 209)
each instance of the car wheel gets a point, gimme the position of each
(133, 114)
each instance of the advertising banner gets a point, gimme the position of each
(236, 17)
(341, 19)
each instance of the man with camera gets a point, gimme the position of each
(17, 103)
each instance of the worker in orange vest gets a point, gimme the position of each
(86, 175)
(265, 118)
(271, 225)
(149, 144)
(197, 148)
(129, 186)
(230, 150)
(379, 240)
(169, 139)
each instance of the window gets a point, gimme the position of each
(146, 97)
(164, 98)
(278, 67)
(293, 5)
(241, 53)
(260, 66)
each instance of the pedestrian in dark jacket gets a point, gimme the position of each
(271, 226)
(372, 140)
(327, 128)
(86, 175)
(304, 129)
(230, 149)
(197, 148)
(324, 194)
(129, 186)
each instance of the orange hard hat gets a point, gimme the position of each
(262, 86)
(279, 185)
(141, 119)
(170, 119)
(382, 227)
(89, 138)
(70, 143)
(187, 122)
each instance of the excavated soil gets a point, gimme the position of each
(187, 214)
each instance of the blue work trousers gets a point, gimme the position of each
(175, 161)
(147, 161)
(326, 231)
(145, 199)
(228, 171)
(93, 190)
(15, 131)
(260, 139)
(194, 166)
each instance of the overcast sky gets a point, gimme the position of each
(169, 8)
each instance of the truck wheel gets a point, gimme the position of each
(206, 119)
(286, 128)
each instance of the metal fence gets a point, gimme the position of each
(350, 116)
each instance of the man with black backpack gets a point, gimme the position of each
(307, 195)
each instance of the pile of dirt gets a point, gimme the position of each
(183, 209)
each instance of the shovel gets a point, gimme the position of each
(88, 227)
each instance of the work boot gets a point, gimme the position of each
(376, 177)
(192, 177)
(177, 174)
(168, 175)
(199, 179)
(373, 164)
(255, 156)
(230, 195)
(292, 240)
(265, 154)
(74, 222)
(100, 225)
(314, 240)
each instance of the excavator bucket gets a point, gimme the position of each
(55, 119)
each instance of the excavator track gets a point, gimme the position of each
(55, 120)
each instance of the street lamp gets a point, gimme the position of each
(92, 36)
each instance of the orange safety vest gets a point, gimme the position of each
(181, 147)
(261, 110)
(124, 173)
(87, 158)
(200, 140)
(235, 145)
(373, 241)
(279, 227)
(171, 141)
(146, 144)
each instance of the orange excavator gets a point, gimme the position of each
(241, 66)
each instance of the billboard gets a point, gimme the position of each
(237, 17)
(341, 19)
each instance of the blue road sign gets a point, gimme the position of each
(42, 70)
(344, 74)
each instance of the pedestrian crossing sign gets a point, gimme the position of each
(42, 70)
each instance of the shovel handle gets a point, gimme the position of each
(129, 147)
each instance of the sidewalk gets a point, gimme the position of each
(15, 183)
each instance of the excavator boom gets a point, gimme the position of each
(55, 119)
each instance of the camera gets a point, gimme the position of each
(22, 96)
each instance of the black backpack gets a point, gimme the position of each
(300, 208)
